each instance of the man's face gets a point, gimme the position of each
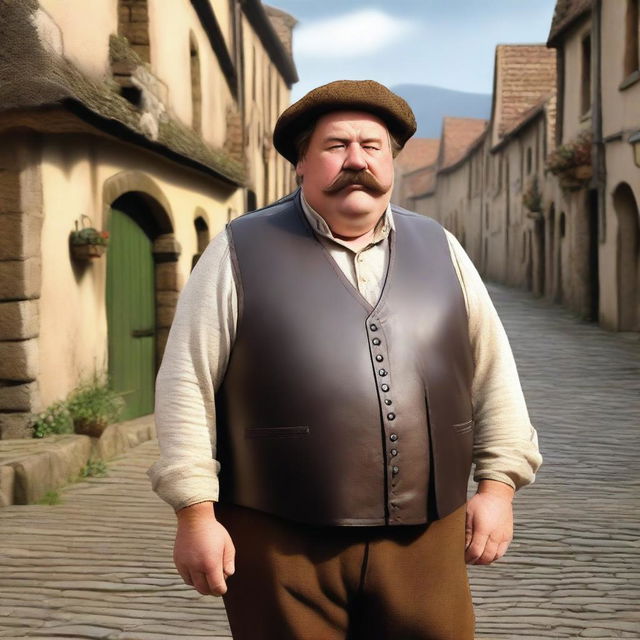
(347, 171)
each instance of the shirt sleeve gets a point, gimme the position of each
(193, 365)
(505, 443)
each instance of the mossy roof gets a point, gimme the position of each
(32, 76)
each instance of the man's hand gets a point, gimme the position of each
(489, 527)
(203, 552)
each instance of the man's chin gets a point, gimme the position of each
(358, 202)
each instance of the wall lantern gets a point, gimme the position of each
(635, 141)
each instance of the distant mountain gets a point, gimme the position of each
(431, 104)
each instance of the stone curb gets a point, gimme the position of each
(29, 468)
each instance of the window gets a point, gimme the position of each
(632, 44)
(586, 75)
(529, 160)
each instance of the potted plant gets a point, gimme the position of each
(87, 242)
(571, 162)
(94, 406)
(532, 198)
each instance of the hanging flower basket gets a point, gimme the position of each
(571, 162)
(86, 242)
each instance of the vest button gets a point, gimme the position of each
(394, 452)
(379, 358)
(373, 327)
(395, 469)
(376, 341)
(387, 402)
(393, 437)
(385, 387)
(383, 372)
(391, 416)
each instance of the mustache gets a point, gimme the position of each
(362, 177)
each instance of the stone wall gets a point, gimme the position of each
(20, 281)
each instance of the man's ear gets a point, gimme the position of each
(300, 169)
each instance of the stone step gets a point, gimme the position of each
(31, 467)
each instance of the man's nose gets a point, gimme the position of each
(355, 159)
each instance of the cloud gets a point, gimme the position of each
(355, 34)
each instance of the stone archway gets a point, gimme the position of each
(628, 258)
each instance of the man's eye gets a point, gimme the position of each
(371, 146)
(336, 146)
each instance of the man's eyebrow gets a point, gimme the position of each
(338, 138)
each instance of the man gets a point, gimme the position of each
(345, 362)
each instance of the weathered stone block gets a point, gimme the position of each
(167, 243)
(19, 397)
(167, 298)
(167, 276)
(19, 320)
(20, 279)
(19, 360)
(164, 316)
(6, 485)
(136, 33)
(49, 469)
(118, 438)
(15, 425)
(139, 13)
(10, 200)
(162, 335)
(19, 236)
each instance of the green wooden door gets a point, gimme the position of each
(131, 314)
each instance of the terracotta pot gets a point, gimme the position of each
(583, 172)
(87, 251)
(93, 428)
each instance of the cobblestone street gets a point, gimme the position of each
(98, 565)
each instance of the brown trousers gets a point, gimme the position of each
(297, 582)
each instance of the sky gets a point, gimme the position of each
(443, 43)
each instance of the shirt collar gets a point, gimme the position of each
(319, 225)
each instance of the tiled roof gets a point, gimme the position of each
(524, 75)
(418, 152)
(420, 182)
(565, 14)
(458, 134)
(282, 23)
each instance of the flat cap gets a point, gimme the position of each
(351, 95)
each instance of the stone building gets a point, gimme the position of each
(147, 120)
(549, 192)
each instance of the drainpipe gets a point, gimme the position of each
(598, 157)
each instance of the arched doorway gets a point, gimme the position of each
(131, 312)
(628, 253)
(137, 254)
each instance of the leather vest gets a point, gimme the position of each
(334, 412)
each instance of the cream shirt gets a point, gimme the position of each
(203, 333)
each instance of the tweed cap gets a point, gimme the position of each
(351, 95)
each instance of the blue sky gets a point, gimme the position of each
(444, 43)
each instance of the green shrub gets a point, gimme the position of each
(93, 406)
(50, 498)
(53, 420)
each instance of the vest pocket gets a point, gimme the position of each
(276, 432)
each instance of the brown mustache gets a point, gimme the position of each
(361, 177)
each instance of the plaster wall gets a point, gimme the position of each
(266, 96)
(81, 29)
(573, 120)
(73, 326)
(620, 107)
(620, 169)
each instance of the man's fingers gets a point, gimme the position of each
(228, 559)
(476, 548)
(468, 530)
(200, 583)
(489, 553)
(502, 549)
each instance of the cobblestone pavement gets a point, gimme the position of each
(573, 570)
(98, 565)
